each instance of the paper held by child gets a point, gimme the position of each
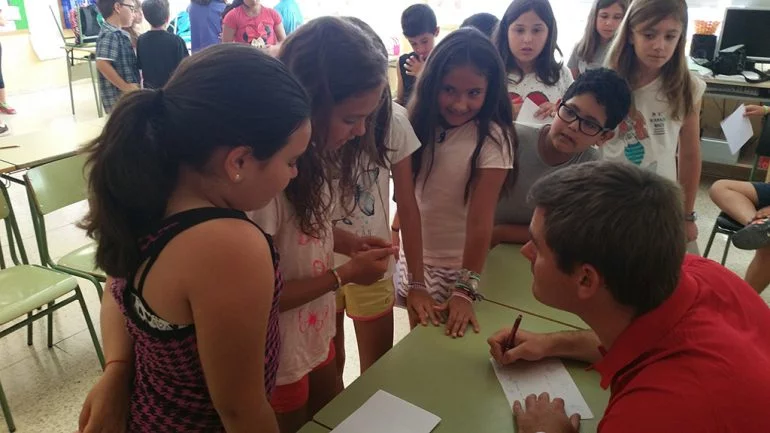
(527, 114)
(737, 129)
(386, 413)
(523, 378)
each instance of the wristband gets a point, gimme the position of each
(114, 361)
(415, 285)
(336, 277)
(767, 109)
(461, 294)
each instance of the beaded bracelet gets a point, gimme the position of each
(337, 277)
(460, 294)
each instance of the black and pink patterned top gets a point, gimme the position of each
(170, 393)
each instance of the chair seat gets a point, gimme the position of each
(83, 259)
(726, 223)
(27, 287)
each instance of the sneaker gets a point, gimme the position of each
(7, 109)
(754, 236)
(4, 129)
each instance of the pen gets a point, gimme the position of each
(13, 146)
(512, 337)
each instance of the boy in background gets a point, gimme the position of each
(115, 58)
(158, 52)
(418, 23)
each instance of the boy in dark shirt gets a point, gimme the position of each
(158, 52)
(418, 23)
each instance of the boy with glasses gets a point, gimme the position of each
(586, 116)
(115, 58)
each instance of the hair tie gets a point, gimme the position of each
(158, 101)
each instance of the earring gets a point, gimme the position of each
(237, 177)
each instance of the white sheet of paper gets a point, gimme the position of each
(527, 113)
(12, 13)
(737, 129)
(386, 413)
(524, 378)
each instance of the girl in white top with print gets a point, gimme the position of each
(526, 40)
(603, 22)
(462, 116)
(662, 130)
(300, 220)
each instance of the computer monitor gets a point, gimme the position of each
(750, 27)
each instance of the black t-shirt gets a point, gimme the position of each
(158, 53)
(408, 80)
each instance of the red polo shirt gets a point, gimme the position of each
(698, 363)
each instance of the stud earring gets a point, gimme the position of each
(237, 177)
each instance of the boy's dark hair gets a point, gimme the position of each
(321, 54)
(106, 7)
(600, 213)
(548, 70)
(610, 90)
(156, 12)
(152, 134)
(485, 22)
(418, 19)
(463, 47)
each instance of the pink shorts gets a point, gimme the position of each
(292, 396)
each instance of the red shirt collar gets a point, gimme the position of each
(645, 331)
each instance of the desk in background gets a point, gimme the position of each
(454, 379)
(507, 280)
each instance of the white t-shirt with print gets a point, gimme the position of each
(441, 197)
(532, 88)
(371, 211)
(306, 331)
(648, 136)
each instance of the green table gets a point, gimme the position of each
(313, 427)
(454, 379)
(507, 280)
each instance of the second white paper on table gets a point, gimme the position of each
(386, 413)
(523, 378)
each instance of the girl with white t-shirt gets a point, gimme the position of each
(463, 119)
(603, 22)
(662, 130)
(526, 40)
(300, 220)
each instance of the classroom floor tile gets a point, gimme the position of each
(46, 387)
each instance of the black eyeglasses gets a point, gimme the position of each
(132, 8)
(587, 127)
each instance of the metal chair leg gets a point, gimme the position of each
(69, 80)
(29, 330)
(711, 241)
(90, 325)
(6, 410)
(50, 324)
(727, 249)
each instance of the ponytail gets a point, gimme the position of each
(130, 181)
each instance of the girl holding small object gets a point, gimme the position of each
(249, 22)
(463, 119)
(526, 40)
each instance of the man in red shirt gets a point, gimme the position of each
(681, 341)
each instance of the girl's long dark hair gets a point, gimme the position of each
(334, 60)
(135, 161)
(463, 47)
(548, 70)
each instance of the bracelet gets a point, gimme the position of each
(767, 109)
(416, 285)
(461, 294)
(114, 361)
(336, 277)
(395, 229)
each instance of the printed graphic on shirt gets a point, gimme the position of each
(537, 97)
(309, 316)
(364, 201)
(257, 34)
(633, 129)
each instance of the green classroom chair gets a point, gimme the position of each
(25, 288)
(51, 187)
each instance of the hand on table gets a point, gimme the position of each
(106, 407)
(527, 346)
(460, 314)
(422, 306)
(541, 414)
(414, 65)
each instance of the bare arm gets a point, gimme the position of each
(109, 72)
(408, 217)
(481, 213)
(529, 346)
(510, 234)
(231, 323)
(280, 33)
(228, 34)
(690, 157)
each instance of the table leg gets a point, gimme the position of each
(69, 79)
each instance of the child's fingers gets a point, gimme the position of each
(475, 322)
